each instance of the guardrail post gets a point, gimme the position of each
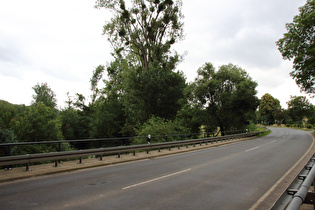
(27, 167)
(101, 157)
(80, 160)
(56, 163)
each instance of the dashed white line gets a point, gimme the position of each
(156, 179)
(252, 149)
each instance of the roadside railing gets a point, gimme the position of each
(20, 148)
(62, 155)
(298, 193)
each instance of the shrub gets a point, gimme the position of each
(157, 126)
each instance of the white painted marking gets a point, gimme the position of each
(262, 199)
(252, 149)
(273, 141)
(156, 179)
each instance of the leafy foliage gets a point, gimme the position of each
(156, 126)
(141, 79)
(228, 96)
(146, 30)
(299, 107)
(269, 108)
(38, 123)
(299, 44)
(44, 94)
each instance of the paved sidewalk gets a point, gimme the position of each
(46, 169)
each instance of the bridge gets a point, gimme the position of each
(250, 174)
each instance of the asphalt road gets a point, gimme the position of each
(233, 176)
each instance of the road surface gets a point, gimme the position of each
(233, 176)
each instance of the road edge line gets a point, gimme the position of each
(265, 196)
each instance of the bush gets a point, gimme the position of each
(157, 126)
(251, 127)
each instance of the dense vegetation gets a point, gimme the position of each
(298, 44)
(140, 92)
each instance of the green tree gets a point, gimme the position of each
(299, 44)
(142, 76)
(7, 136)
(39, 123)
(146, 30)
(191, 115)
(108, 118)
(45, 95)
(269, 108)
(70, 120)
(7, 113)
(228, 96)
(156, 91)
(299, 107)
(97, 76)
(156, 126)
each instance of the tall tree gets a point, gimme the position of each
(38, 123)
(45, 95)
(146, 30)
(269, 108)
(299, 44)
(142, 76)
(299, 107)
(228, 95)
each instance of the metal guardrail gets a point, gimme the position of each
(56, 156)
(298, 192)
(106, 142)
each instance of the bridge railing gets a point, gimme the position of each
(20, 148)
(56, 156)
(298, 192)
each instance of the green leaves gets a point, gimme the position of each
(228, 95)
(156, 126)
(299, 44)
(299, 107)
(44, 94)
(269, 108)
(146, 30)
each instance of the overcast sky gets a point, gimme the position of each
(60, 42)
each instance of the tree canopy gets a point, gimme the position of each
(142, 78)
(269, 108)
(299, 44)
(45, 95)
(146, 30)
(228, 95)
(299, 107)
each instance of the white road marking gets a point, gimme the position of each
(252, 149)
(262, 199)
(273, 141)
(156, 179)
